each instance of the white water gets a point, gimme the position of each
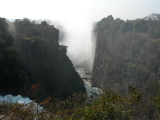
(91, 91)
(15, 99)
(7, 99)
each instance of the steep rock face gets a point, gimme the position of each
(126, 58)
(44, 61)
(47, 64)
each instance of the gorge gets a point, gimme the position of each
(124, 78)
(126, 54)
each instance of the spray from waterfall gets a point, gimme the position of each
(80, 41)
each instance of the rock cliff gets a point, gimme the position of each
(44, 61)
(127, 54)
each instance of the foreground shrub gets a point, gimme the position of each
(108, 106)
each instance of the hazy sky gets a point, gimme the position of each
(78, 16)
(78, 9)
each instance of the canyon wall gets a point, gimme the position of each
(44, 62)
(127, 54)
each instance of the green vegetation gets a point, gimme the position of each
(136, 66)
(157, 41)
(14, 79)
(131, 65)
(108, 106)
(148, 25)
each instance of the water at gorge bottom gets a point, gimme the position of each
(91, 91)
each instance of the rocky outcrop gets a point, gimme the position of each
(126, 58)
(45, 62)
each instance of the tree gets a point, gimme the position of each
(12, 75)
(127, 26)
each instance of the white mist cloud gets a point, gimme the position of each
(77, 17)
(78, 39)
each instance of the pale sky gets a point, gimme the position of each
(78, 16)
(78, 9)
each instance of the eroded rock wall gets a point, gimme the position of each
(124, 59)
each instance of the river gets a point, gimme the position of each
(91, 91)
